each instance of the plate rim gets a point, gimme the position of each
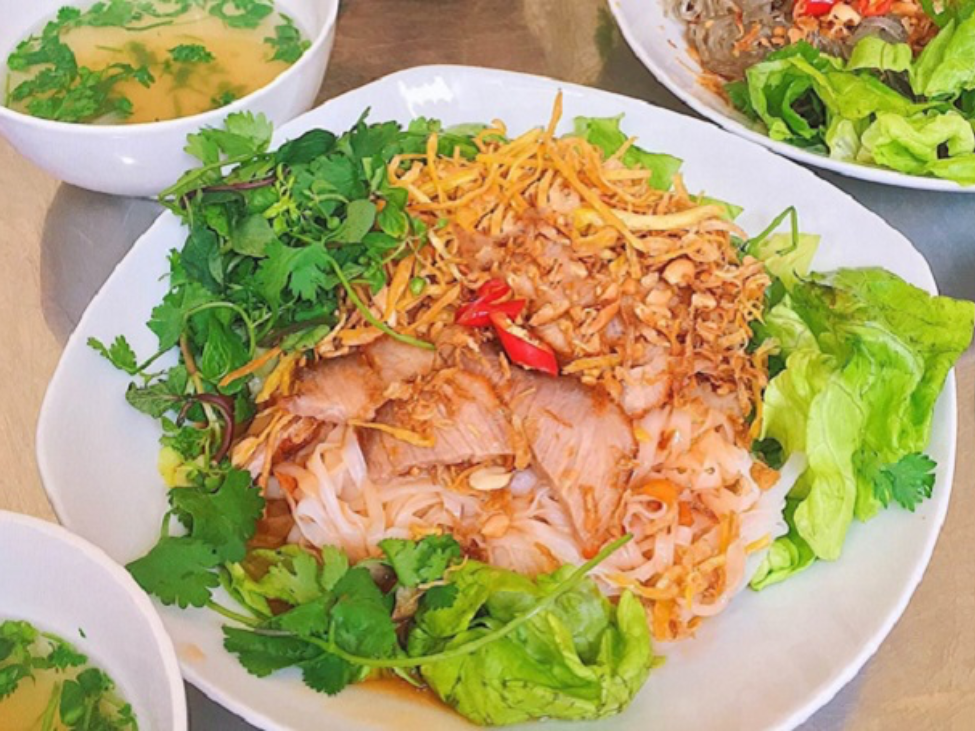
(802, 712)
(857, 171)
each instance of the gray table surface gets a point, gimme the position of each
(86, 234)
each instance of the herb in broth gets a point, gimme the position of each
(131, 61)
(46, 684)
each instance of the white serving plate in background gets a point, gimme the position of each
(767, 663)
(659, 42)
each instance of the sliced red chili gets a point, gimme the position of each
(522, 347)
(814, 8)
(869, 8)
(478, 314)
(493, 290)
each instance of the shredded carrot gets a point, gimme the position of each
(659, 489)
(404, 435)
(256, 364)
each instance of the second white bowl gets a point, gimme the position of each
(144, 159)
(62, 584)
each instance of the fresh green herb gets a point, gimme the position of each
(287, 41)
(475, 622)
(191, 53)
(223, 99)
(241, 13)
(80, 701)
(908, 481)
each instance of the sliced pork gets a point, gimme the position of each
(582, 442)
(458, 413)
(353, 387)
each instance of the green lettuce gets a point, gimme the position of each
(872, 52)
(866, 357)
(913, 144)
(581, 659)
(946, 66)
(786, 557)
(815, 101)
(605, 133)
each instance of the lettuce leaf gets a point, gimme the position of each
(946, 66)
(873, 52)
(786, 557)
(866, 357)
(605, 133)
(913, 144)
(581, 659)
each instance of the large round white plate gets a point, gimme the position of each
(659, 42)
(768, 662)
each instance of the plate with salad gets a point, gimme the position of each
(872, 89)
(476, 397)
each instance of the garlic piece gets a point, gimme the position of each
(489, 479)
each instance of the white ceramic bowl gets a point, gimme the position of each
(144, 159)
(64, 585)
(659, 42)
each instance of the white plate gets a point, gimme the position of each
(768, 662)
(62, 584)
(658, 41)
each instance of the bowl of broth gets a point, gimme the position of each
(103, 94)
(79, 640)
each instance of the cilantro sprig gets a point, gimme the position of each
(907, 482)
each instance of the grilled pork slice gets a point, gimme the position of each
(582, 442)
(355, 386)
(456, 411)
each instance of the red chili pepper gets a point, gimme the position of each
(522, 348)
(814, 8)
(478, 313)
(493, 290)
(869, 8)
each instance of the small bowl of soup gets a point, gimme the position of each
(103, 94)
(80, 642)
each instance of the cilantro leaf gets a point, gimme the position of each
(262, 654)
(241, 13)
(361, 621)
(191, 53)
(224, 519)
(10, 677)
(119, 354)
(440, 597)
(908, 481)
(329, 673)
(421, 562)
(287, 42)
(306, 620)
(302, 270)
(63, 656)
(178, 571)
